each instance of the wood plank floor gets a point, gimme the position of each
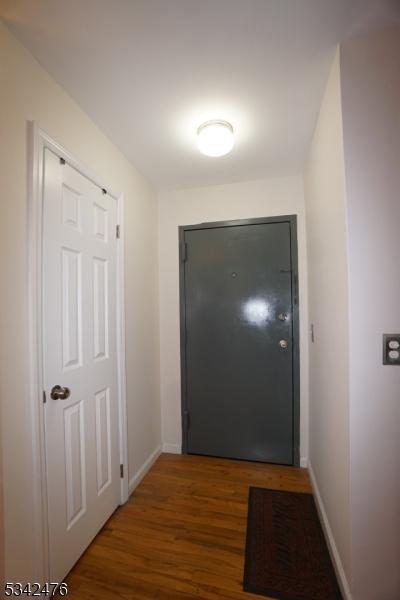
(181, 535)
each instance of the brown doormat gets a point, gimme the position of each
(286, 553)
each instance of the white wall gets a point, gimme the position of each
(28, 93)
(328, 301)
(371, 114)
(281, 196)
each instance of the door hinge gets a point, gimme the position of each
(184, 251)
(62, 160)
(118, 232)
(186, 420)
(296, 289)
(121, 471)
(44, 397)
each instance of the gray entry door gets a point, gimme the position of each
(239, 340)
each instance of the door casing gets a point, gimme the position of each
(38, 141)
(292, 221)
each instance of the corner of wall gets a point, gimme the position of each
(327, 257)
(333, 550)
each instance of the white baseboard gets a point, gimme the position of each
(304, 462)
(172, 449)
(146, 466)
(337, 563)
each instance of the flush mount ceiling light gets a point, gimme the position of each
(215, 138)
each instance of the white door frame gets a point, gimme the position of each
(38, 141)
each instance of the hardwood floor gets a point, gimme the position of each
(181, 535)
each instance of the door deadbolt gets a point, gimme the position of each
(60, 393)
(283, 344)
(282, 317)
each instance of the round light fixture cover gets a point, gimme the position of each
(215, 138)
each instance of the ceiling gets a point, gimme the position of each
(149, 72)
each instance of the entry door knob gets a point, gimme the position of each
(283, 344)
(60, 393)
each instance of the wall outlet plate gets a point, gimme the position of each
(391, 348)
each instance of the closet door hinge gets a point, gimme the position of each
(118, 232)
(121, 471)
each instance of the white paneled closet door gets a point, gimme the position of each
(80, 356)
